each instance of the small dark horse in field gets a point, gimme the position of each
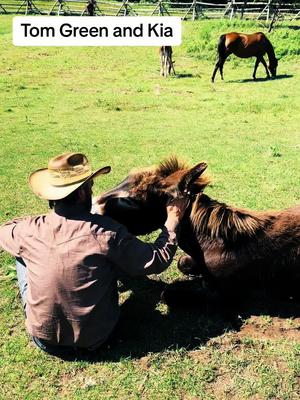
(244, 46)
(166, 61)
(231, 248)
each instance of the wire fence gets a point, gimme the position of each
(193, 9)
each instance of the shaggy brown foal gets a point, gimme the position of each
(232, 248)
(166, 62)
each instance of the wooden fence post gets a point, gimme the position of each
(195, 11)
(61, 7)
(231, 8)
(243, 8)
(2, 8)
(268, 9)
(30, 7)
(295, 16)
(160, 7)
(126, 9)
(194, 5)
(276, 15)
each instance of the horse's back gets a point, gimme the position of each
(246, 45)
(291, 217)
(233, 36)
(230, 37)
(257, 37)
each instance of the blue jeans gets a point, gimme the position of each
(59, 351)
(22, 280)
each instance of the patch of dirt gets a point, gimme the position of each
(79, 378)
(200, 356)
(144, 363)
(188, 397)
(226, 342)
(223, 387)
(274, 328)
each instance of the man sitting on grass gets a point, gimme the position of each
(68, 260)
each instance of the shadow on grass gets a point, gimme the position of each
(195, 315)
(284, 76)
(278, 77)
(184, 75)
(294, 27)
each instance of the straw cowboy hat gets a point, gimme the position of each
(65, 173)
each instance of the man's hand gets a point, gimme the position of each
(175, 211)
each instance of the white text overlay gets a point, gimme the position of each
(96, 31)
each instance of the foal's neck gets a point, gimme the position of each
(270, 52)
(220, 221)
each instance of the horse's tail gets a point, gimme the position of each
(221, 46)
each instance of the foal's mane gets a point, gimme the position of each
(143, 179)
(159, 179)
(217, 220)
(169, 166)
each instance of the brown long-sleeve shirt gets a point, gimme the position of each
(72, 260)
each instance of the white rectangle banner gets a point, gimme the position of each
(96, 31)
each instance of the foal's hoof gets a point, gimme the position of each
(187, 266)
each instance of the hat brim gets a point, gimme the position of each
(39, 181)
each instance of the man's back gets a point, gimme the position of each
(72, 294)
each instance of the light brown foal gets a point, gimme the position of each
(166, 62)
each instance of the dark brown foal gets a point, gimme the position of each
(244, 46)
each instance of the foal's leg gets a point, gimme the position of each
(265, 65)
(169, 64)
(172, 65)
(258, 60)
(166, 70)
(162, 62)
(217, 66)
(221, 68)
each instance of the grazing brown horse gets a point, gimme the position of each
(244, 46)
(233, 249)
(166, 62)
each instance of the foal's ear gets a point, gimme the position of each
(191, 176)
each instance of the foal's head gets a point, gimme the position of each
(140, 200)
(273, 67)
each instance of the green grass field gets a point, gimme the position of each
(111, 104)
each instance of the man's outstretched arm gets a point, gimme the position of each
(136, 257)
